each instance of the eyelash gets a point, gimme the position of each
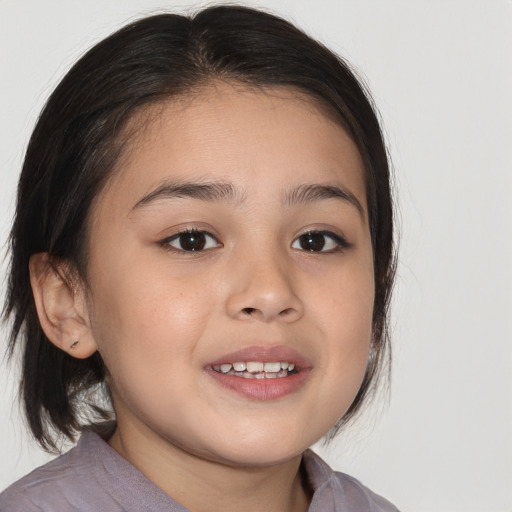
(204, 239)
(207, 238)
(339, 242)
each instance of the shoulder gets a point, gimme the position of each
(31, 492)
(355, 491)
(76, 481)
(13, 501)
(91, 476)
(335, 491)
(52, 486)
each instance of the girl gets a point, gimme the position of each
(202, 260)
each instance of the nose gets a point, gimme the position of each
(263, 288)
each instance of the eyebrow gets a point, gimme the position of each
(219, 191)
(308, 193)
(224, 191)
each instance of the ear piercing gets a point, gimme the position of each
(74, 344)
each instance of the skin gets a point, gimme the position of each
(159, 315)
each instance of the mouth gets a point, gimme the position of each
(261, 373)
(258, 369)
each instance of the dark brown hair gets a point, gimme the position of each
(79, 137)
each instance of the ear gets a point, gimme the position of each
(61, 308)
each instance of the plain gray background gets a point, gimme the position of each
(441, 74)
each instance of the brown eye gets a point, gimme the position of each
(319, 241)
(312, 241)
(192, 241)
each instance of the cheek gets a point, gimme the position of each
(345, 315)
(147, 330)
(149, 313)
(345, 300)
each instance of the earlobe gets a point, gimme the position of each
(61, 309)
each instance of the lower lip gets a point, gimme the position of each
(261, 389)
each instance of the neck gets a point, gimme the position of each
(204, 485)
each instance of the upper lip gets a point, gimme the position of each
(265, 354)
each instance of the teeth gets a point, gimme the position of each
(272, 367)
(224, 368)
(254, 367)
(239, 367)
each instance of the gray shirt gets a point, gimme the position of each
(93, 477)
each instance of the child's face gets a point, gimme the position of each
(245, 173)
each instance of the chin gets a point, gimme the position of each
(259, 449)
(259, 459)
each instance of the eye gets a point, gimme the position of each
(192, 240)
(319, 241)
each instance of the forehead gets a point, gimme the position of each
(238, 133)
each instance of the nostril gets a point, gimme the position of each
(248, 311)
